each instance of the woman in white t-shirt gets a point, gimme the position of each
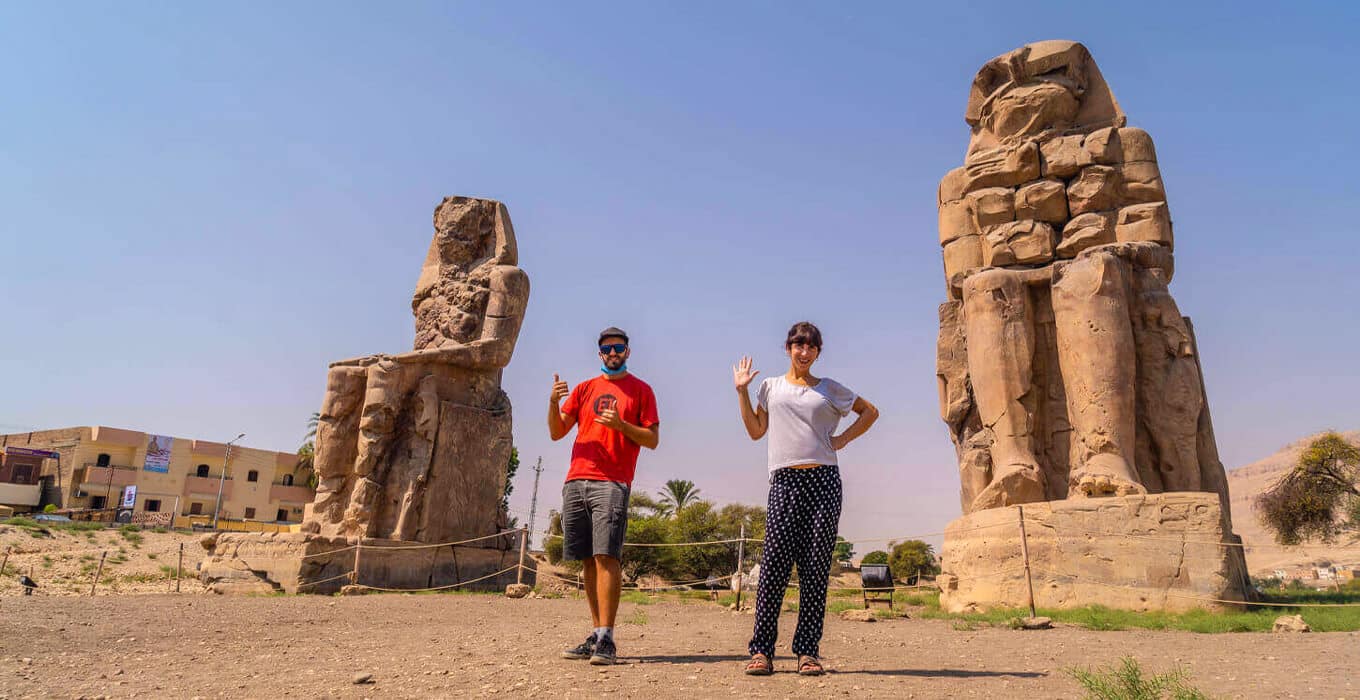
(800, 412)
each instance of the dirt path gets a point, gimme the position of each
(481, 645)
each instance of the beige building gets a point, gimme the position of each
(96, 464)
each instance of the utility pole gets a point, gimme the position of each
(533, 503)
(226, 459)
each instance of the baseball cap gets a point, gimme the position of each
(612, 332)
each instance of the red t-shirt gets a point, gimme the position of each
(600, 453)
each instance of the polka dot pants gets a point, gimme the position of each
(803, 516)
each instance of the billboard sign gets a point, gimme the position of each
(26, 452)
(129, 495)
(158, 453)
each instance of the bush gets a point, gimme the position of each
(912, 559)
(1127, 682)
(20, 521)
(50, 508)
(877, 556)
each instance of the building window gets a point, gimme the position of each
(102, 460)
(250, 513)
(195, 509)
(97, 502)
(202, 470)
(282, 515)
(151, 505)
(287, 481)
(22, 473)
(252, 475)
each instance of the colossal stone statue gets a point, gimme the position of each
(1065, 368)
(411, 449)
(1068, 378)
(414, 446)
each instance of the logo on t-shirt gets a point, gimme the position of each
(605, 403)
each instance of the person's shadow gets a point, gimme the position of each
(917, 672)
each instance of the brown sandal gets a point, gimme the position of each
(759, 665)
(810, 666)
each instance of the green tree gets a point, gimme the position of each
(552, 544)
(843, 550)
(306, 453)
(312, 422)
(510, 469)
(641, 505)
(877, 556)
(912, 559)
(653, 561)
(679, 493)
(1318, 497)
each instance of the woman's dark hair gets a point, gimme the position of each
(803, 333)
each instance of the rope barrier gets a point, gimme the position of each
(1243, 545)
(672, 544)
(502, 533)
(438, 588)
(326, 580)
(1207, 599)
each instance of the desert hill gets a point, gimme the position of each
(1245, 483)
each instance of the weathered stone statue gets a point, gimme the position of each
(1065, 368)
(411, 449)
(414, 446)
(1068, 378)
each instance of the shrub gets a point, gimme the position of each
(1127, 682)
(50, 508)
(877, 556)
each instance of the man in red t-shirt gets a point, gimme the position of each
(615, 417)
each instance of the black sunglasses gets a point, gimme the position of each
(616, 348)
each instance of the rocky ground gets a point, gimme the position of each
(65, 562)
(484, 645)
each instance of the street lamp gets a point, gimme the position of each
(217, 509)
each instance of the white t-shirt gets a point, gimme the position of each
(802, 420)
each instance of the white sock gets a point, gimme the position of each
(602, 632)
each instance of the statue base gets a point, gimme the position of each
(253, 563)
(1153, 552)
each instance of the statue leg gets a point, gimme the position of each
(1000, 325)
(336, 444)
(416, 474)
(377, 429)
(1169, 383)
(1096, 355)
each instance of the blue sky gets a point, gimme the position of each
(203, 205)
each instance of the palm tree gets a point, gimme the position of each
(307, 452)
(679, 493)
(642, 501)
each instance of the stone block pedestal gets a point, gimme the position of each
(243, 563)
(1153, 552)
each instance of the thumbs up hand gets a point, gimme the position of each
(559, 389)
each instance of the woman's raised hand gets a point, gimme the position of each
(742, 374)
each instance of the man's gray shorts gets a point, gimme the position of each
(594, 518)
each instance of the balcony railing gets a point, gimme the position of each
(207, 485)
(92, 475)
(290, 494)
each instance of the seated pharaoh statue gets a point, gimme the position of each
(1065, 368)
(415, 446)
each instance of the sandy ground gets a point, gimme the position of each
(485, 645)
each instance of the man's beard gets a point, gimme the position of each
(613, 362)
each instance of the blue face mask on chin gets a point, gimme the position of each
(614, 372)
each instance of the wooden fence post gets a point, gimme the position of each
(1024, 552)
(523, 548)
(98, 572)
